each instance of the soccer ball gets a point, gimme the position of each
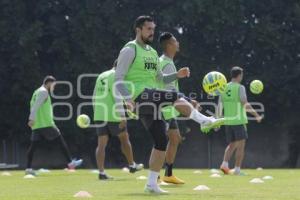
(214, 83)
(256, 86)
(83, 121)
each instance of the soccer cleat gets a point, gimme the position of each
(214, 123)
(105, 177)
(225, 170)
(75, 163)
(30, 172)
(237, 173)
(154, 189)
(138, 167)
(172, 179)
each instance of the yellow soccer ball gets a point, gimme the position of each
(214, 83)
(83, 121)
(256, 86)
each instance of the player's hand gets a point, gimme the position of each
(196, 105)
(183, 72)
(30, 123)
(122, 124)
(258, 118)
(130, 105)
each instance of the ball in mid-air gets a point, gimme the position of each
(214, 83)
(83, 121)
(256, 86)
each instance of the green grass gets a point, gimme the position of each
(62, 185)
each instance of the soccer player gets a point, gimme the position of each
(42, 124)
(235, 104)
(170, 47)
(137, 76)
(110, 122)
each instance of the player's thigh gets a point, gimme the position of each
(230, 136)
(150, 101)
(240, 134)
(124, 137)
(115, 128)
(102, 128)
(49, 133)
(157, 96)
(35, 136)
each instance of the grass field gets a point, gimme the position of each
(62, 185)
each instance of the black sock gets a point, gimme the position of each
(169, 169)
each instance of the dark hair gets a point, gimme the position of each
(139, 22)
(165, 36)
(48, 79)
(235, 71)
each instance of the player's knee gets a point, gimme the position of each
(102, 142)
(161, 144)
(125, 142)
(232, 145)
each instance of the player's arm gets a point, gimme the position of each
(40, 99)
(125, 59)
(169, 69)
(219, 112)
(247, 105)
(168, 78)
(94, 96)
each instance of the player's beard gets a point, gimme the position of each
(147, 40)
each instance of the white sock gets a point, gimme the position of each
(198, 117)
(237, 169)
(225, 164)
(102, 173)
(152, 178)
(133, 165)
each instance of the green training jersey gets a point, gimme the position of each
(105, 108)
(234, 111)
(169, 112)
(143, 70)
(44, 114)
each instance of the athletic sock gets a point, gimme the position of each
(152, 178)
(169, 169)
(224, 164)
(198, 117)
(102, 173)
(133, 165)
(237, 170)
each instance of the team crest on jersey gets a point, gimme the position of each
(150, 63)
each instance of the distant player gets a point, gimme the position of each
(235, 104)
(138, 64)
(170, 47)
(42, 124)
(105, 113)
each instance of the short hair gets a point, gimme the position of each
(139, 22)
(48, 79)
(235, 71)
(165, 36)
